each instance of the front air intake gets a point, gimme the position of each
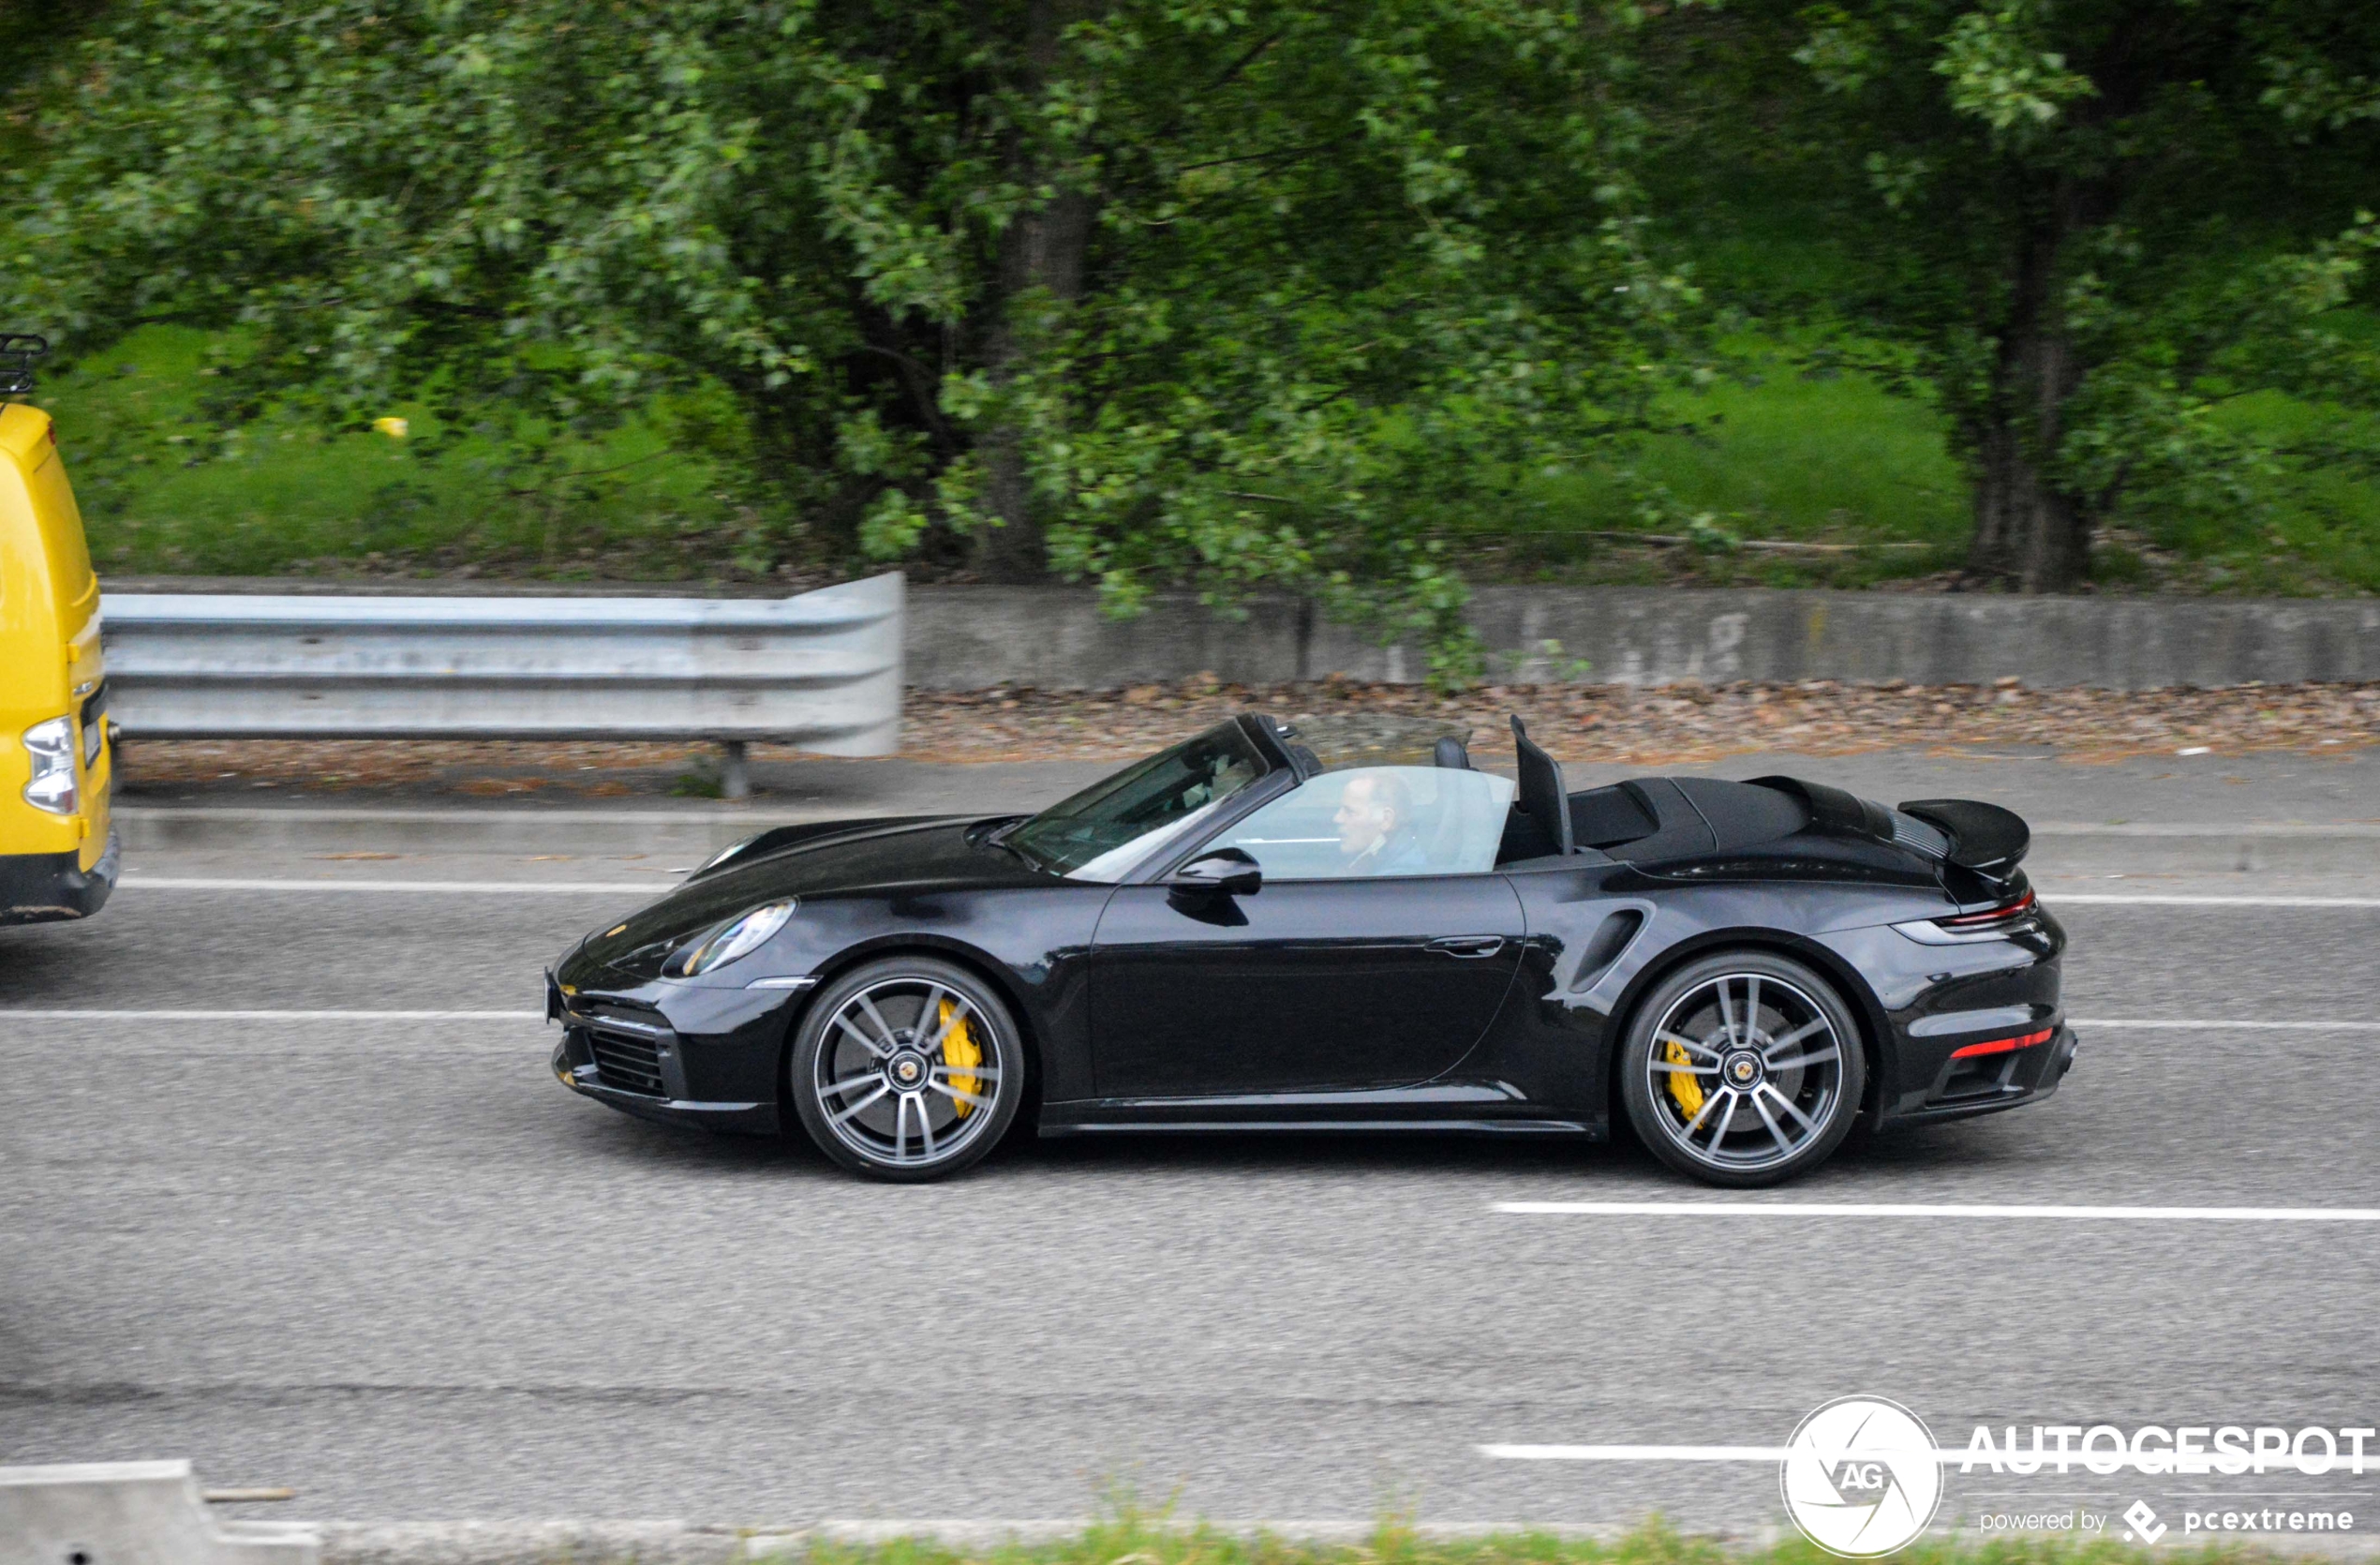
(627, 1042)
(626, 1062)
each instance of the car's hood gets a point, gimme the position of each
(866, 857)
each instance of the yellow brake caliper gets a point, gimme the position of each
(959, 1051)
(1684, 1090)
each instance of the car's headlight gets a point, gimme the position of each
(52, 745)
(724, 943)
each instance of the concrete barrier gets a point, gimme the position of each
(970, 637)
(133, 1513)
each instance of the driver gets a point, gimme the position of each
(1377, 827)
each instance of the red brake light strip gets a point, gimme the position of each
(2022, 905)
(2003, 1046)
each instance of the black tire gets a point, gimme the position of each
(888, 1102)
(1794, 1068)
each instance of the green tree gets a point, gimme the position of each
(1169, 290)
(2085, 225)
(33, 34)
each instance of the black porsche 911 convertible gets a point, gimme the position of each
(1235, 934)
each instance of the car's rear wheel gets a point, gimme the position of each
(908, 1068)
(1743, 1068)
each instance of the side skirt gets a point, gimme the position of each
(1053, 1125)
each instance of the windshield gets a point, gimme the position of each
(1103, 831)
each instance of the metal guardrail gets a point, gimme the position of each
(822, 670)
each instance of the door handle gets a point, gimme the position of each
(1468, 944)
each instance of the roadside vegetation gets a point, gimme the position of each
(1367, 301)
(1861, 481)
(168, 489)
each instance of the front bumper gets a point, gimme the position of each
(739, 1118)
(46, 888)
(630, 1056)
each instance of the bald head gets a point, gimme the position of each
(1373, 807)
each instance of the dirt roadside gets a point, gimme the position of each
(1672, 725)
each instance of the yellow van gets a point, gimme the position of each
(57, 846)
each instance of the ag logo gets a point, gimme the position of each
(1861, 1478)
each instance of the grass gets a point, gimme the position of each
(2323, 535)
(1777, 453)
(163, 491)
(1129, 1539)
(1782, 454)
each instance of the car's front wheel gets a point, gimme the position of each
(1743, 1068)
(908, 1068)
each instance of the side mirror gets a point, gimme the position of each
(1225, 872)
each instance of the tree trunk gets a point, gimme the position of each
(1041, 257)
(2029, 531)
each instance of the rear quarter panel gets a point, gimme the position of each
(1559, 1031)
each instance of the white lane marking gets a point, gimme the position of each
(2093, 898)
(2162, 1025)
(1942, 1454)
(1965, 1459)
(13, 1014)
(1639, 1453)
(454, 888)
(547, 888)
(2111, 1024)
(1914, 1208)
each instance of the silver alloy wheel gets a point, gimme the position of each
(1746, 1071)
(886, 1085)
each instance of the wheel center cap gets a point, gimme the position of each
(906, 1070)
(1741, 1069)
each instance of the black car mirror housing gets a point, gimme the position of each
(1225, 872)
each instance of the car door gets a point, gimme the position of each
(1329, 977)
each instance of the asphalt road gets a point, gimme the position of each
(393, 1264)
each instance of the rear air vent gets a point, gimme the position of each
(1609, 943)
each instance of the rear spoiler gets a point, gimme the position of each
(1983, 836)
(1984, 839)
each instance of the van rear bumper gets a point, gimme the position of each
(43, 887)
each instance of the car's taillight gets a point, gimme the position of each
(2005, 914)
(2003, 1046)
(1992, 923)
